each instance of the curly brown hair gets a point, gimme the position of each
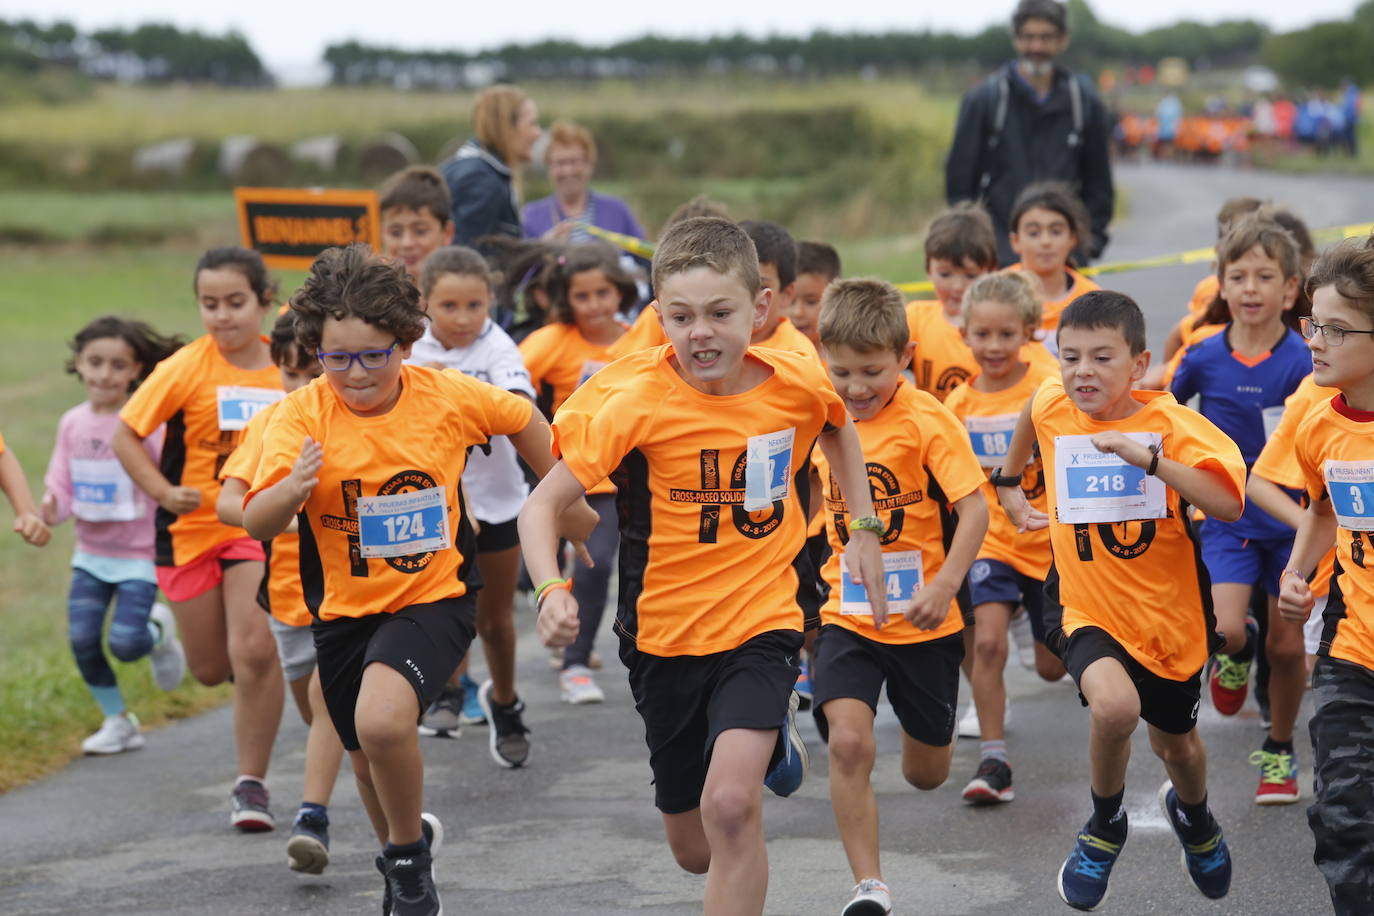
(353, 282)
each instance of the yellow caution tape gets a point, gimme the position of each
(645, 249)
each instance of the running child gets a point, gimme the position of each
(206, 393)
(589, 290)
(113, 562)
(1046, 225)
(416, 216)
(368, 461)
(28, 524)
(1133, 619)
(456, 291)
(1242, 373)
(912, 446)
(818, 265)
(705, 436)
(1335, 453)
(1001, 317)
(283, 597)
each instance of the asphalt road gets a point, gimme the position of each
(576, 832)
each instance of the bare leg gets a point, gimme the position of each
(496, 619)
(300, 694)
(990, 651)
(362, 773)
(1185, 758)
(201, 629)
(1231, 604)
(687, 840)
(1287, 673)
(852, 751)
(323, 751)
(259, 688)
(385, 717)
(1115, 707)
(732, 818)
(925, 766)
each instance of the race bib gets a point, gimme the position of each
(403, 523)
(1271, 417)
(102, 491)
(1351, 485)
(903, 577)
(991, 436)
(1096, 486)
(589, 368)
(237, 405)
(768, 469)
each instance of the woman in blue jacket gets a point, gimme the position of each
(481, 175)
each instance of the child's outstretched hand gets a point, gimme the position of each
(1022, 514)
(305, 473)
(1124, 447)
(32, 529)
(863, 558)
(557, 624)
(180, 500)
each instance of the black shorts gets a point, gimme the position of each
(812, 589)
(423, 642)
(686, 701)
(1170, 706)
(497, 536)
(922, 679)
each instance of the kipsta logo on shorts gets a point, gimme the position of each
(416, 668)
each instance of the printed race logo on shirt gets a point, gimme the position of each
(1095, 486)
(903, 577)
(1351, 485)
(990, 437)
(102, 491)
(768, 469)
(405, 523)
(238, 404)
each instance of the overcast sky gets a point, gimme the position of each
(291, 36)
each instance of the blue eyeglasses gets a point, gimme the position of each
(342, 360)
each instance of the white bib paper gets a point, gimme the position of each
(589, 368)
(768, 469)
(903, 577)
(1271, 416)
(238, 404)
(102, 491)
(990, 437)
(1094, 486)
(403, 523)
(1351, 485)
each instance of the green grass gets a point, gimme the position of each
(60, 216)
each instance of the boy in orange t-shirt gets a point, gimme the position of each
(921, 470)
(818, 265)
(1123, 467)
(705, 437)
(1335, 448)
(416, 215)
(368, 460)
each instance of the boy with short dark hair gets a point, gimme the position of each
(1123, 470)
(777, 254)
(416, 215)
(818, 264)
(704, 437)
(922, 469)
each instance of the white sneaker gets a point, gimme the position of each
(1024, 639)
(871, 898)
(168, 658)
(968, 725)
(578, 687)
(117, 734)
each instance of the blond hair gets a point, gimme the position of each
(566, 133)
(1010, 287)
(864, 315)
(494, 115)
(707, 241)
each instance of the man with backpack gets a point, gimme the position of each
(1030, 121)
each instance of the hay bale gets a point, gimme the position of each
(170, 157)
(248, 160)
(383, 155)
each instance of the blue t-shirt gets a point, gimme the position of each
(1236, 393)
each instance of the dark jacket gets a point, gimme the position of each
(483, 196)
(1036, 143)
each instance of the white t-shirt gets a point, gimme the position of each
(494, 483)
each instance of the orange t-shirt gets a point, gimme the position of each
(388, 482)
(942, 360)
(786, 337)
(1278, 461)
(989, 419)
(645, 333)
(1204, 294)
(1051, 308)
(919, 462)
(283, 594)
(1336, 453)
(700, 573)
(205, 402)
(1141, 581)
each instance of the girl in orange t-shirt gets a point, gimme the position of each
(210, 572)
(1046, 225)
(587, 295)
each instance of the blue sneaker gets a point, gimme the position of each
(803, 685)
(307, 850)
(1084, 875)
(1207, 864)
(472, 713)
(790, 772)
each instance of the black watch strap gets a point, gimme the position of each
(999, 480)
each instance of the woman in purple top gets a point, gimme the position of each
(563, 215)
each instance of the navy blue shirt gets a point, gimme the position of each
(1235, 392)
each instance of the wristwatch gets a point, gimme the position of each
(999, 480)
(868, 523)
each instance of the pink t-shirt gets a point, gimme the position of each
(114, 518)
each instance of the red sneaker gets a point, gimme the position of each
(1278, 783)
(1229, 683)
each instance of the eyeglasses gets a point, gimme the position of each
(342, 360)
(1331, 333)
(1044, 38)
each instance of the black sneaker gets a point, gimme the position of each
(307, 850)
(991, 784)
(410, 883)
(386, 886)
(442, 719)
(507, 738)
(249, 807)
